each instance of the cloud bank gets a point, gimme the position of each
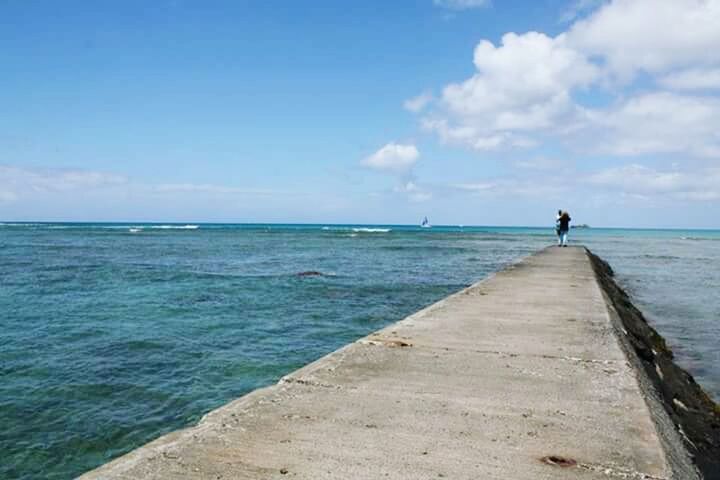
(525, 89)
(627, 79)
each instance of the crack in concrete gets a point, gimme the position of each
(385, 342)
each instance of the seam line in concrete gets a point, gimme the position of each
(398, 343)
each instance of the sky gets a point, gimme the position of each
(473, 112)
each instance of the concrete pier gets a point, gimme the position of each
(520, 376)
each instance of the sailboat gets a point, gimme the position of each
(425, 223)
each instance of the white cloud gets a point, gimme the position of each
(525, 89)
(637, 178)
(521, 86)
(692, 79)
(657, 123)
(393, 158)
(398, 160)
(417, 104)
(526, 70)
(461, 4)
(476, 137)
(21, 179)
(631, 182)
(25, 184)
(650, 35)
(701, 185)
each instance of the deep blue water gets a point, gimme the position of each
(113, 334)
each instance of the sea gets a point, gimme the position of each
(114, 334)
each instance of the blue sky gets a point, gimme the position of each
(467, 111)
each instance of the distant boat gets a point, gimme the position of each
(425, 223)
(582, 225)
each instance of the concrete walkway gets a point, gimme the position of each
(517, 377)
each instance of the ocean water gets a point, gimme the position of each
(113, 334)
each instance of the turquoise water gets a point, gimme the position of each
(113, 334)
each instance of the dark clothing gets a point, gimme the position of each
(565, 223)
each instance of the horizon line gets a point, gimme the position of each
(153, 222)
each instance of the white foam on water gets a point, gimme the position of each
(701, 239)
(357, 229)
(175, 227)
(12, 224)
(336, 229)
(371, 230)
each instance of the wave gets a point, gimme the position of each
(132, 228)
(356, 229)
(372, 230)
(701, 239)
(101, 227)
(13, 224)
(175, 227)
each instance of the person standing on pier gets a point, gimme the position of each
(557, 226)
(564, 228)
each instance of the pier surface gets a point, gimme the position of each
(520, 376)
